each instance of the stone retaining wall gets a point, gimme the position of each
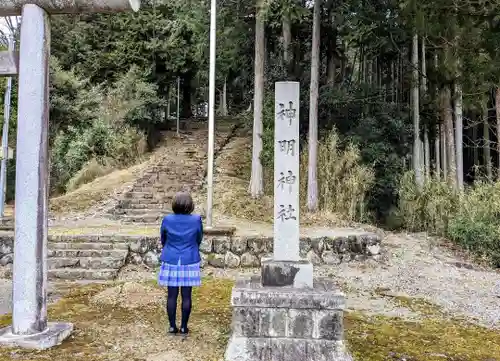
(234, 252)
(221, 249)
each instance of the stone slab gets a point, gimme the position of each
(298, 274)
(286, 171)
(285, 349)
(325, 295)
(54, 335)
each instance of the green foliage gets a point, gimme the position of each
(343, 181)
(380, 130)
(105, 133)
(428, 209)
(470, 219)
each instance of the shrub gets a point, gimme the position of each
(471, 218)
(429, 209)
(94, 131)
(343, 181)
(90, 171)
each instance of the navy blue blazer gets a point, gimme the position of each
(181, 236)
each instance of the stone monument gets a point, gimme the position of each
(30, 328)
(285, 314)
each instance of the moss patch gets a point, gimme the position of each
(436, 337)
(113, 333)
(105, 333)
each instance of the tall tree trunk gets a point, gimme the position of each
(449, 133)
(475, 150)
(427, 150)
(486, 140)
(437, 150)
(287, 41)
(224, 99)
(437, 143)
(497, 111)
(444, 148)
(167, 117)
(417, 164)
(312, 181)
(459, 135)
(257, 179)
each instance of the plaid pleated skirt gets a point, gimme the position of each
(179, 275)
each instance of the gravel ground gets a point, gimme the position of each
(414, 266)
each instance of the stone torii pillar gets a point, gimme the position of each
(30, 328)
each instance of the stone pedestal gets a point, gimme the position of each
(53, 335)
(286, 323)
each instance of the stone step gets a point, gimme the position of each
(144, 206)
(87, 246)
(86, 262)
(82, 274)
(147, 211)
(144, 218)
(67, 253)
(130, 201)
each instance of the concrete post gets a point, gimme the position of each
(30, 328)
(30, 248)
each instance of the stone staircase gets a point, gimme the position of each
(94, 258)
(182, 167)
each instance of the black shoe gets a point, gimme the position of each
(184, 332)
(173, 331)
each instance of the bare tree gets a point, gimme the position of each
(256, 187)
(417, 164)
(312, 181)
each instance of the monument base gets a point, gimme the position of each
(54, 335)
(298, 274)
(287, 323)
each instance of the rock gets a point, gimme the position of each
(140, 246)
(341, 245)
(249, 260)
(355, 244)
(206, 245)
(6, 259)
(373, 250)
(231, 260)
(203, 261)
(239, 245)
(318, 245)
(314, 258)
(221, 245)
(304, 246)
(166, 356)
(151, 259)
(331, 258)
(216, 260)
(135, 259)
(371, 239)
(257, 245)
(6, 246)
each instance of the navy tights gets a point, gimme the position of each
(173, 294)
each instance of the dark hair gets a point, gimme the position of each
(183, 203)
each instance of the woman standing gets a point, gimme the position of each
(181, 234)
